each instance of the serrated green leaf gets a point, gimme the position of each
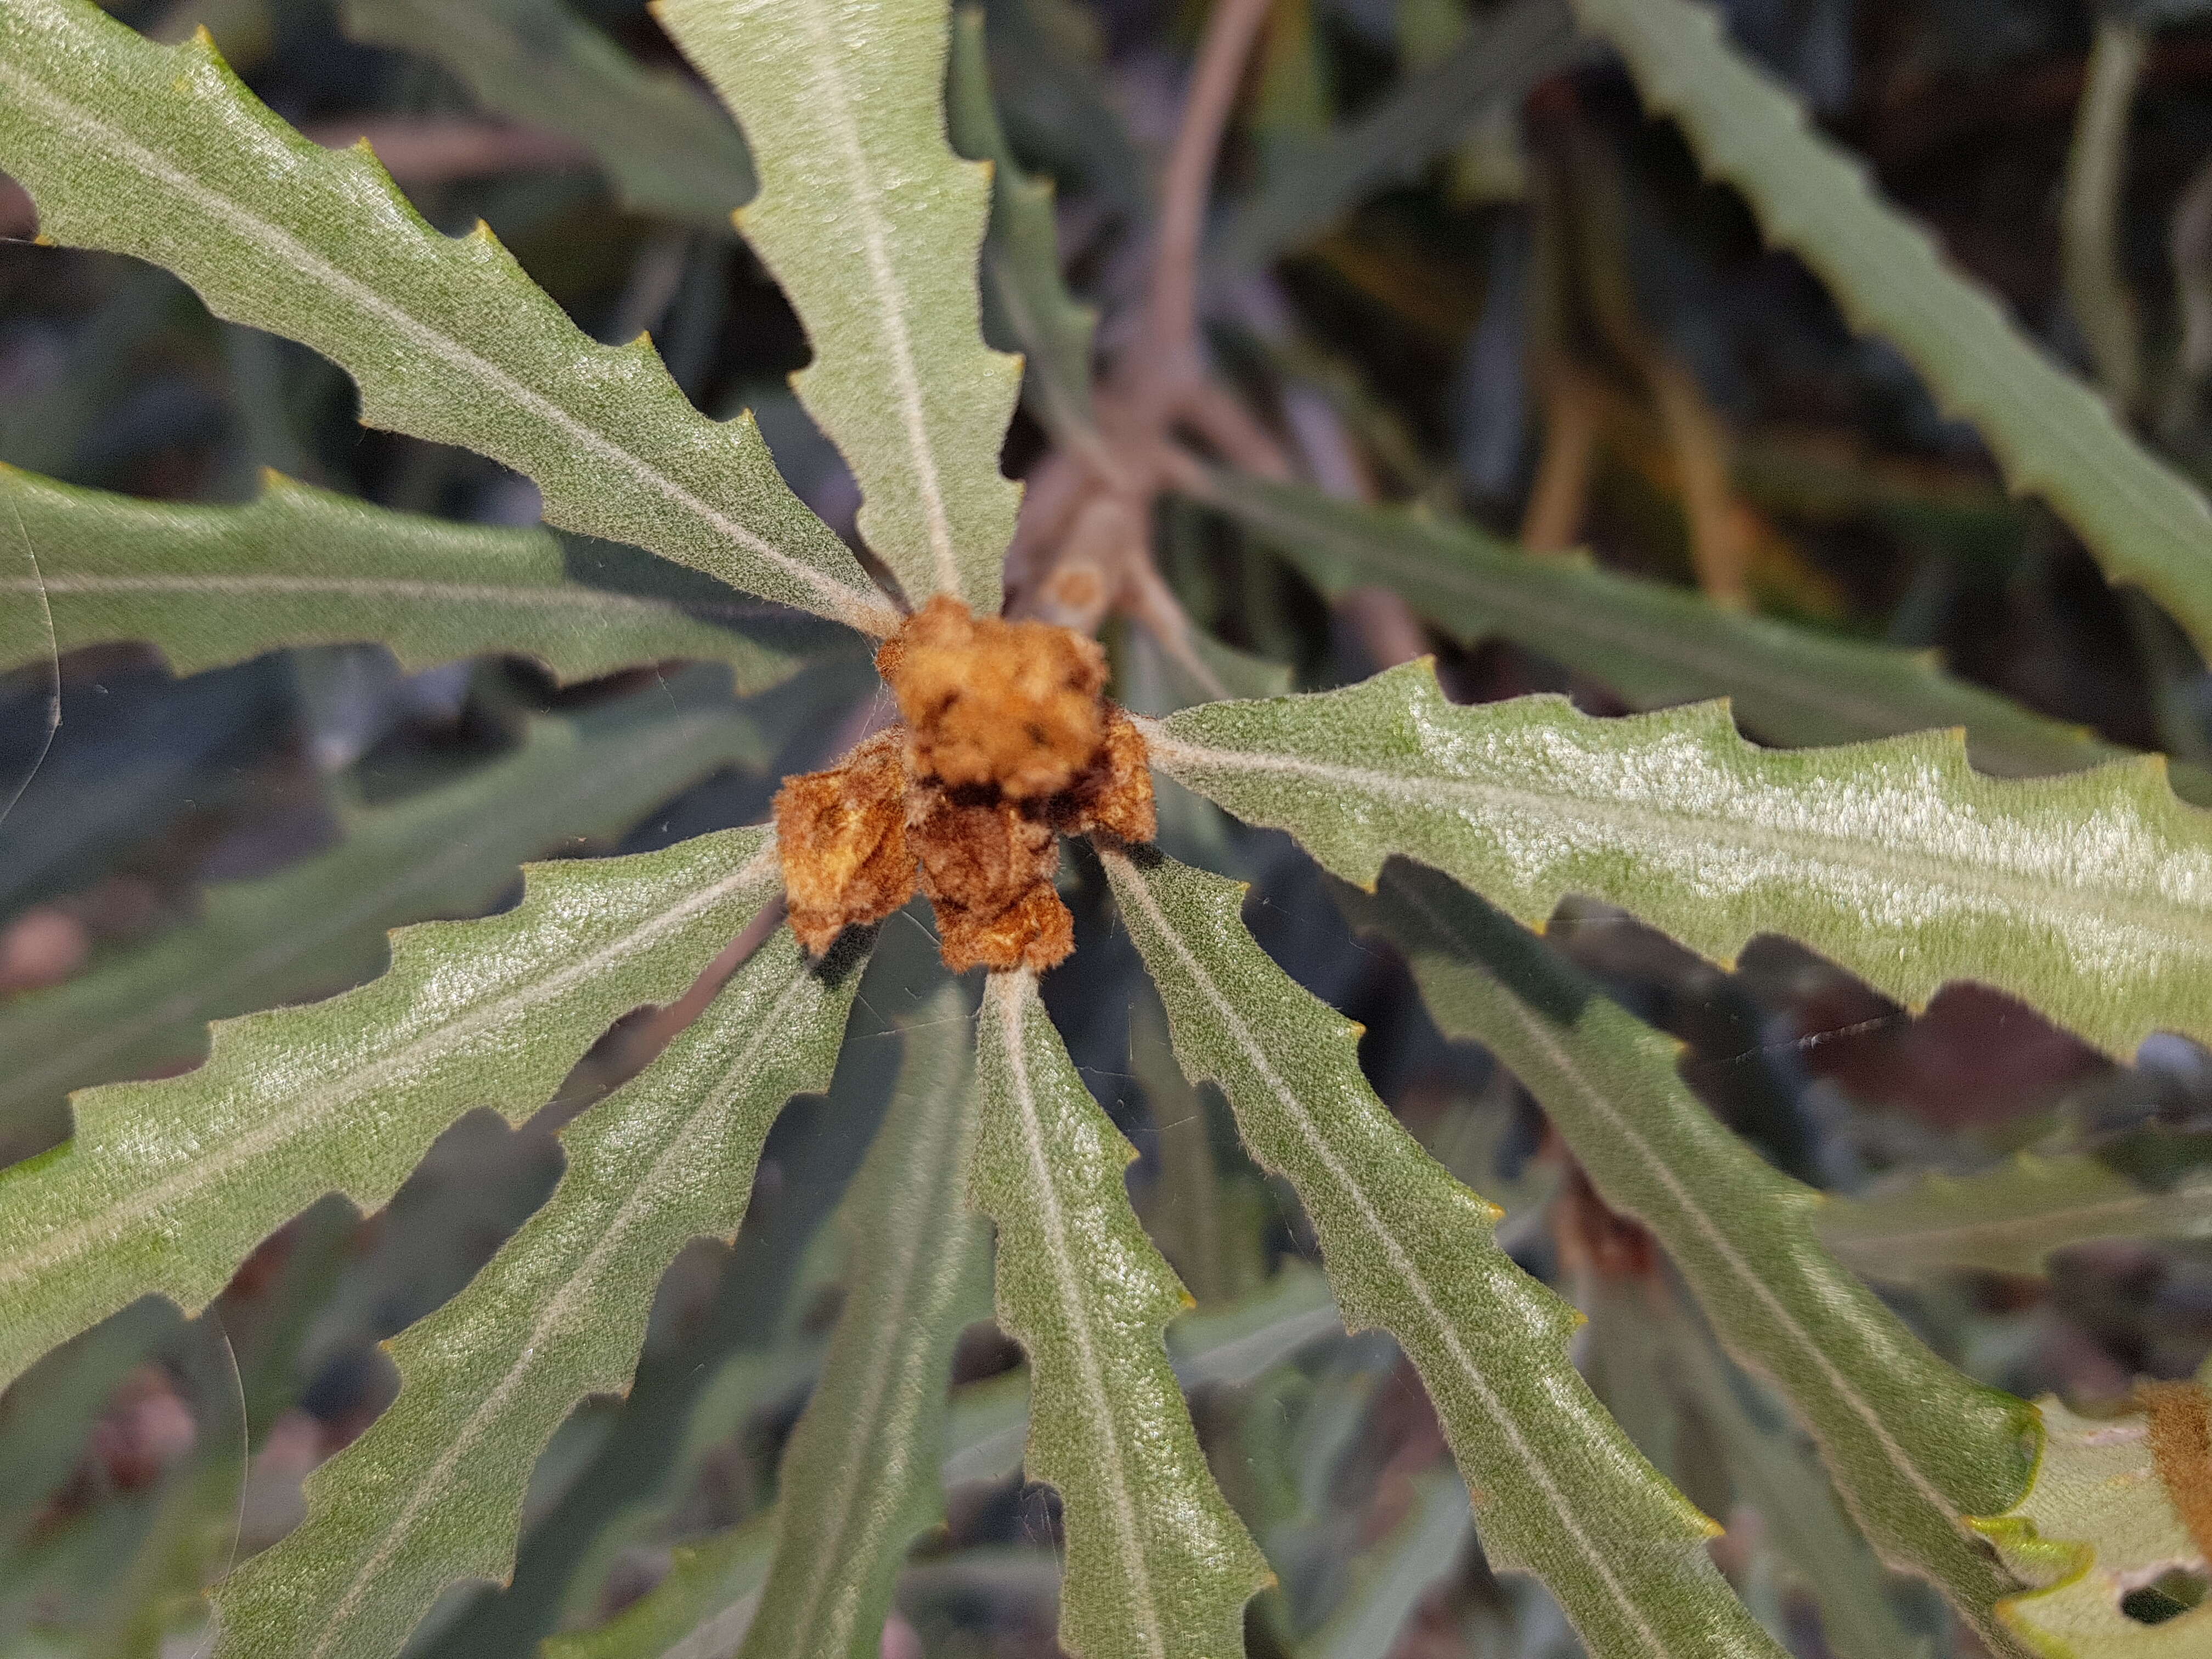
(1021, 252)
(433, 1492)
(1558, 1489)
(2055, 437)
(322, 924)
(159, 152)
(1655, 644)
(2089, 895)
(665, 147)
(212, 585)
(704, 1604)
(2111, 1512)
(2007, 1219)
(1915, 1447)
(1774, 1473)
(874, 226)
(860, 1477)
(1157, 1564)
(167, 1185)
(1493, 66)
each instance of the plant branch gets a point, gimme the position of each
(1168, 358)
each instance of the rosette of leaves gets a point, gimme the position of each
(2088, 894)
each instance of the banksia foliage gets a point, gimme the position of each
(653, 1000)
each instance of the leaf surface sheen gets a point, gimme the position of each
(167, 1185)
(666, 147)
(2054, 436)
(860, 1476)
(212, 585)
(1558, 1489)
(160, 153)
(1654, 643)
(2089, 895)
(322, 924)
(1915, 1447)
(1157, 1564)
(874, 226)
(433, 1492)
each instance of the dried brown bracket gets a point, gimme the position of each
(1007, 743)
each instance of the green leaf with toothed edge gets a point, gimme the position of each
(433, 1493)
(1773, 1470)
(1157, 1565)
(1654, 644)
(2054, 436)
(859, 1478)
(2121, 1509)
(212, 585)
(159, 152)
(1558, 1489)
(435, 1489)
(1021, 254)
(1914, 1446)
(704, 1605)
(664, 146)
(874, 226)
(2089, 895)
(320, 925)
(2008, 1219)
(167, 1185)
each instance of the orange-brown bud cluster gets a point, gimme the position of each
(1008, 744)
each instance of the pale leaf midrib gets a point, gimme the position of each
(1132, 885)
(847, 604)
(644, 1194)
(850, 1515)
(556, 1310)
(48, 1253)
(1014, 995)
(603, 779)
(1599, 1105)
(520, 596)
(890, 295)
(1970, 884)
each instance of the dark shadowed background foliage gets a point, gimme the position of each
(1528, 308)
